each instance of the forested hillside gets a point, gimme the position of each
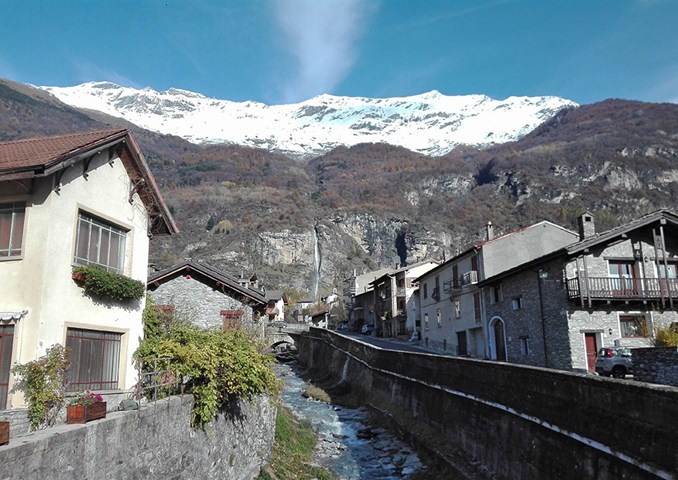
(249, 210)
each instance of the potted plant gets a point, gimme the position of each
(4, 431)
(84, 407)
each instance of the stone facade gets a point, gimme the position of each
(656, 365)
(156, 441)
(200, 303)
(549, 310)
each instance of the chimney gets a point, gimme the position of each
(489, 229)
(587, 227)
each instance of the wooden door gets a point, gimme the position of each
(6, 338)
(591, 350)
(499, 342)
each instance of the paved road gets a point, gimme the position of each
(391, 344)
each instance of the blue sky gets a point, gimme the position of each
(282, 51)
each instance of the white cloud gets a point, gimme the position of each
(321, 36)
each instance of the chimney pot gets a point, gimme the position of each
(489, 229)
(587, 226)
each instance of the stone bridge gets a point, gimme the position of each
(283, 338)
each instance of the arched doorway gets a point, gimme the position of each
(497, 340)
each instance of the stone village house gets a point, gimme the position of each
(613, 288)
(80, 199)
(452, 310)
(393, 299)
(208, 297)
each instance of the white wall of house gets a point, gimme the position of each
(40, 281)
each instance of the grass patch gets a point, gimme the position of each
(317, 393)
(292, 454)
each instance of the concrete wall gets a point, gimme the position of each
(656, 365)
(519, 422)
(154, 442)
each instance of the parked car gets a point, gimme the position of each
(614, 361)
(368, 328)
(342, 326)
(278, 323)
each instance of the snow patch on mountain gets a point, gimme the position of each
(430, 123)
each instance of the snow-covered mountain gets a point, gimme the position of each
(431, 123)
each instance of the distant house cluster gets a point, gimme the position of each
(541, 296)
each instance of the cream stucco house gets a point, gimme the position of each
(80, 199)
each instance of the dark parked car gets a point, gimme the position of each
(614, 361)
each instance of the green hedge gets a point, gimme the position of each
(100, 283)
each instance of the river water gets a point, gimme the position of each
(347, 444)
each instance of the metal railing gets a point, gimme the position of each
(160, 376)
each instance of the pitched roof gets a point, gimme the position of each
(659, 216)
(43, 156)
(38, 152)
(210, 273)
(656, 216)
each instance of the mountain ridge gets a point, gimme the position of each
(429, 123)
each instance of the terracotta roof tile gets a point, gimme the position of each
(38, 152)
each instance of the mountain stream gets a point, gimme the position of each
(347, 444)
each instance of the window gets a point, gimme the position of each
(100, 244)
(516, 303)
(495, 293)
(456, 282)
(95, 359)
(476, 306)
(633, 325)
(524, 346)
(457, 309)
(425, 290)
(623, 277)
(426, 321)
(438, 319)
(11, 228)
(231, 319)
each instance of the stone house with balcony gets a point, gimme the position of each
(393, 300)
(70, 200)
(452, 304)
(207, 297)
(612, 288)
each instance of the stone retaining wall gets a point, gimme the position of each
(519, 422)
(156, 441)
(656, 365)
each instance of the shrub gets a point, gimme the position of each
(220, 366)
(100, 283)
(666, 337)
(43, 382)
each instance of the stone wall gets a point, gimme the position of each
(199, 303)
(156, 441)
(518, 421)
(656, 365)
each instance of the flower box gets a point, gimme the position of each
(85, 413)
(4, 432)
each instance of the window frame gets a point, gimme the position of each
(641, 325)
(17, 211)
(109, 380)
(91, 221)
(517, 303)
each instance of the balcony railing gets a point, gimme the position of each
(605, 288)
(450, 286)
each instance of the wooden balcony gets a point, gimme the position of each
(604, 288)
